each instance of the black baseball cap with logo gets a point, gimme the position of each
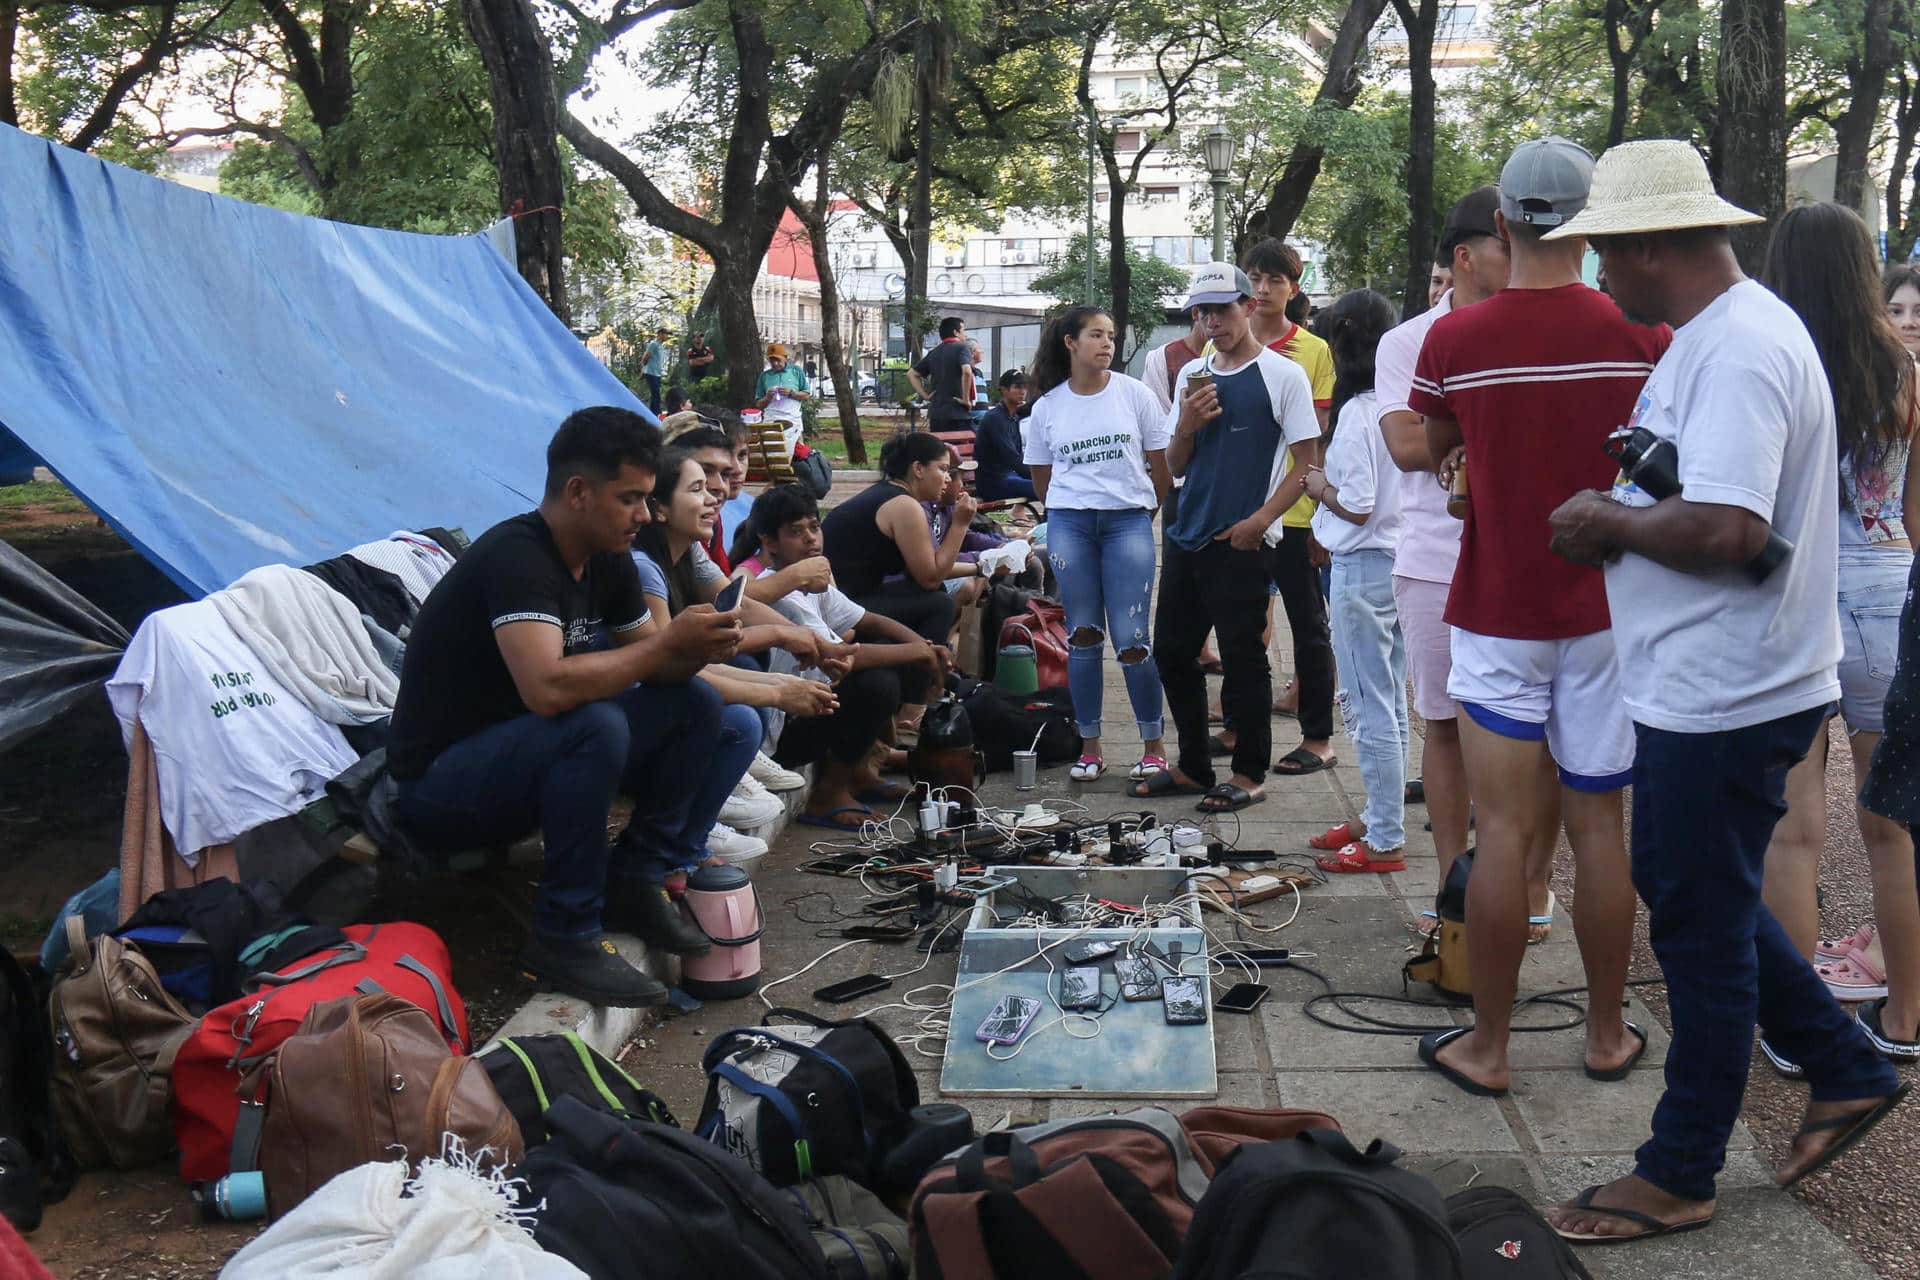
(1470, 217)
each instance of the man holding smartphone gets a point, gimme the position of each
(512, 718)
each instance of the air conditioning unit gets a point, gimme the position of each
(1024, 258)
(863, 258)
(956, 257)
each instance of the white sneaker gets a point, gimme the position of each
(751, 805)
(728, 845)
(772, 776)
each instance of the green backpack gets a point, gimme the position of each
(531, 1073)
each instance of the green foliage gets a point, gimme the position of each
(1156, 285)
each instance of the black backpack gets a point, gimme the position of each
(531, 1073)
(1502, 1237)
(1314, 1207)
(35, 1167)
(618, 1198)
(1004, 723)
(808, 1097)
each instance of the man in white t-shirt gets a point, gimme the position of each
(1728, 671)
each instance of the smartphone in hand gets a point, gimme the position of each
(729, 598)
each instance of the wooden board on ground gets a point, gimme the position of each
(1216, 896)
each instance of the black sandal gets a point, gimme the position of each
(1235, 798)
(1654, 1227)
(1854, 1127)
(1163, 783)
(1304, 762)
(1218, 746)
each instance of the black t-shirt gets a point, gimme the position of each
(941, 368)
(455, 682)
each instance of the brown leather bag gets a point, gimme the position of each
(368, 1078)
(115, 1033)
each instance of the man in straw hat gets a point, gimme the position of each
(1727, 678)
(1532, 382)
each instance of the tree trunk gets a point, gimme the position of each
(846, 391)
(1340, 88)
(729, 298)
(9, 34)
(1620, 58)
(1867, 80)
(1119, 270)
(526, 138)
(1750, 145)
(1420, 28)
(1901, 226)
(920, 210)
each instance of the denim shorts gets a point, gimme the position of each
(1873, 587)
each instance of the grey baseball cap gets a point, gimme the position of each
(1218, 282)
(1545, 182)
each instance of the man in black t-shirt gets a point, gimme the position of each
(944, 378)
(511, 718)
(699, 357)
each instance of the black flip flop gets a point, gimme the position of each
(1307, 762)
(1625, 1069)
(1237, 798)
(1430, 1046)
(1654, 1227)
(1217, 747)
(1163, 783)
(1855, 1127)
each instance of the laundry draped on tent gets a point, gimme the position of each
(231, 386)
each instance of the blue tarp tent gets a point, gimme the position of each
(231, 386)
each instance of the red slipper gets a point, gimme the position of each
(1355, 857)
(1333, 839)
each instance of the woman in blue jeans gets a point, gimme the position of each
(1358, 522)
(1097, 446)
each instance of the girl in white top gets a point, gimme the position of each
(1097, 444)
(1358, 521)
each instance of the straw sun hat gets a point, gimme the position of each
(1659, 185)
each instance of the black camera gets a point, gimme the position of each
(1654, 465)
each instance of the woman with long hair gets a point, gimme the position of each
(1097, 446)
(1358, 522)
(1822, 263)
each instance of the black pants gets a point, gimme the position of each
(1291, 568)
(1223, 590)
(653, 392)
(868, 701)
(929, 614)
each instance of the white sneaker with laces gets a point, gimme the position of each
(751, 805)
(772, 776)
(728, 845)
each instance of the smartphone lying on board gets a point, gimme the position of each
(1008, 1020)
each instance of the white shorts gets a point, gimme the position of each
(1565, 691)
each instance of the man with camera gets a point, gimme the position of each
(1728, 675)
(1531, 382)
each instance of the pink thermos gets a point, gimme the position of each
(722, 903)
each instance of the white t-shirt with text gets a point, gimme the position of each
(1097, 445)
(1742, 395)
(1429, 537)
(1359, 466)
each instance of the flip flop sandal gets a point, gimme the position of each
(1896, 1050)
(1356, 858)
(1430, 1046)
(1305, 763)
(1148, 766)
(1654, 1227)
(1840, 948)
(1163, 783)
(1087, 769)
(1625, 1069)
(883, 795)
(1217, 747)
(1543, 921)
(827, 819)
(1854, 979)
(1334, 838)
(1235, 798)
(1852, 1129)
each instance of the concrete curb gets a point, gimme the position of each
(609, 1030)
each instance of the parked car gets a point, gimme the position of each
(869, 389)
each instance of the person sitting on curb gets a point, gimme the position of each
(890, 665)
(509, 718)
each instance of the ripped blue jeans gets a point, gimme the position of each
(1104, 561)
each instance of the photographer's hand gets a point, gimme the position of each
(1583, 528)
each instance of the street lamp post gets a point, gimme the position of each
(1219, 147)
(1093, 140)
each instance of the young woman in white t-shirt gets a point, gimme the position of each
(1097, 446)
(1358, 522)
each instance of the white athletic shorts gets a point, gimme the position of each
(1565, 691)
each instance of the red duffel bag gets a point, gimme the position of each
(214, 1076)
(1046, 622)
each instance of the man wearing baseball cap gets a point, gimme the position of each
(1728, 673)
(1531, 383)
(1238, 417)
(782, 389)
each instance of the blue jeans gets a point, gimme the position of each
(741, 731)
(1372, 659)
(560, 774)
(992, 486)
(1704, 808)
(1104, 562)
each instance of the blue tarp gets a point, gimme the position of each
(231, 386)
